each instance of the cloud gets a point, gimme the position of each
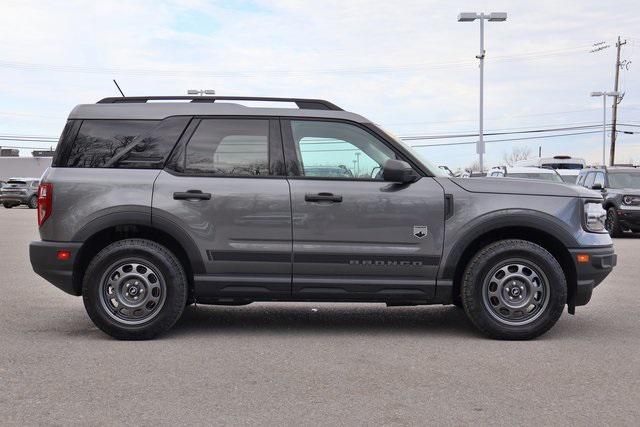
(407, 65)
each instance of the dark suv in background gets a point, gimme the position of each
(20, 191)
(620, 187)
(150, 206)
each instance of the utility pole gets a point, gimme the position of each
(614, 108)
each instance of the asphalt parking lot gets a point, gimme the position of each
(327, 364)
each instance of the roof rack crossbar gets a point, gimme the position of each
(302, 103)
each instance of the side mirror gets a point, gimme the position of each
(597, 186)
(399, 171)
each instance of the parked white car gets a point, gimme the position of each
(567, 167)
(526, 172)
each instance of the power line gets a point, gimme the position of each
(240, 73)
(505, 140)
(467, 135)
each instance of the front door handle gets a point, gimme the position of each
(191, 195)
(323, 197)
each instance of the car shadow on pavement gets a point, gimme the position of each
(308, 318)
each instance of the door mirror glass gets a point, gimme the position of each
(596, 186)
(399, 171)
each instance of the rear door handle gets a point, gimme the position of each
(323, 197)
(191, 195)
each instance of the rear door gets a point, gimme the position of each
(225, 186)
(355, 236)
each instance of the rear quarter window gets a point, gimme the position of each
(129, 144)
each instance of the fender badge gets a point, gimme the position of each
(420, 231)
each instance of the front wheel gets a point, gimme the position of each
(514, 289)
(134, 289)
(7, 205)
(612, 224)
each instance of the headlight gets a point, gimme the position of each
(594, 216)
(631, 200)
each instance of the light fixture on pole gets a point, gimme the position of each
(492, 17)
(604, 120)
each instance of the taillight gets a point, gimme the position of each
(45, 205)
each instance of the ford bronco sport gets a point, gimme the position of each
(151, 206)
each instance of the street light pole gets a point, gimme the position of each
(469, 17)
(604, 129)
(480, 147)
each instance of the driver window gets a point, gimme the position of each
(590, 178)
(599, 179)
(338, 150)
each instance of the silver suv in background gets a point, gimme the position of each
(150, 206)
(20, 191)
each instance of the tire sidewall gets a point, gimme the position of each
(162, 261)
(485, 261)
(33, 202)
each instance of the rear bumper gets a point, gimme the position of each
(45, 263)
(14, 198)
(592, 273)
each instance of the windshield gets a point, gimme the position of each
(544, 176)
(435, 170)
(624, 179)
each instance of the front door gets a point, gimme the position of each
(355, 236)
(224, 186)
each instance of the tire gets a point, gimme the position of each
(143, 266)
(612, 224)
(513, 290)
(33, 202)
(7, 205)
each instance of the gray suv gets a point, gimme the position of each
(20, 191)
(151, 206)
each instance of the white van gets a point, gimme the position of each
(567, 167)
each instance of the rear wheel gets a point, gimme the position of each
(612, 224)
(134, 289)
(514, 289)
(7, 205)
(33, 202)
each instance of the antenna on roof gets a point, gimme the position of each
(118, 86)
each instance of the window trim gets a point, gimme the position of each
(177, 160)
(293, 163)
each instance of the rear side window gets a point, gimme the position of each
(130, 144)
(235, 147)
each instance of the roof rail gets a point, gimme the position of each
(302, 103)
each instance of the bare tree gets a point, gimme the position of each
(517, 153)
(474, 167)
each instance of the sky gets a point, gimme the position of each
(409, 66)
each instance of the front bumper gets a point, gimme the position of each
(590, 274)
(45, 263)
(629, 218)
